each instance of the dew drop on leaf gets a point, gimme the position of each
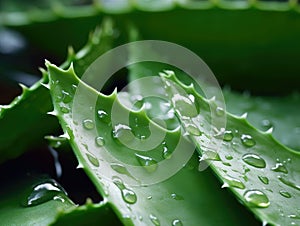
(176, 196)
(247, 140)
(167, 154)
(92, 159)
(45, 192)
(289, 183)
(256, 198)
(279, 167)
(254, 160)
(123, 133)
(64, 110)
(154, 220)
(88, 124)
(233, 182)
(177, 222)
(128, 195)
(119, 168)
(220, 111)
(228, 136)
(285, 194)
(184, 106)
(148, 163)
(66, 97)
(193, 130)
(103, 116)
(100, 141)
(263, 179)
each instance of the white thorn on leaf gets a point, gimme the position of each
(244, 116)
(47, 86)
(65, 135)
(270, 131)
(54, 113)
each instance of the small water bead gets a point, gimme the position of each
(193, 130)
(220, 111)
(92, 159)
(279, 167)
(176, 196)
(254, 160)
(256, 198)
(177, 222)
(293, 216)
(147, 162)
(100, 141)
(263, 179)
(149, 197)
(88, 124)
(154, 220)
(285, 194)
(119, 168)
(64, 110)
(228, 157)
(45, 192)
(103, 116)
(289, 183)
(167, 154)
(210, 155)
(247, 140)
(233, 182)
(228, 136)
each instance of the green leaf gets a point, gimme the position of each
(123, 175)
(279, 113)
(28, 112)
(262, 173)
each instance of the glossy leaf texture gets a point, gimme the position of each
(262, 173)
(28, 112)
(256, 39)
(129, 178)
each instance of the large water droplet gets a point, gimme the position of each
(279, 167)
(66, 97)
(289, 183)
(123, 133)
(148, 163)
(256, 198)
(210, 155)
(254, 160)
(228, 136)
(92, 159)
(100, 141)
(45, 192)
(285, 194)
(233, 182)
(247, 140)
(192, 130)
(128, 195)
(184, 106)
(177, 222)
(88, 124)
(154, 220)
(263, 179)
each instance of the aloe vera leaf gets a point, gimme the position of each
(279, 113)
(28, 112)
(177, 198)
(262, 173)
(263, 33)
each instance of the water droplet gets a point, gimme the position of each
(293, 216)
(176, 196)
(148, 163)
(184, 106)
(166, 153)
(154, 220)
(88, 124)
(263, 179)
(103, 116)
(285, 194)
(220, 111)
(233, 182)
(193, 130)
(254, 160)
(210, 155)
(289, 183)
(149, 197)
(228, 136)
(120, 169)
(279, 167)
(266, 123)
(256, 198)
(92, 159)
(100, 141)
(64, 110)
(66, 97)
(177, 222)
(228, 157)
(247, 140)
(45, 192)
(128, 195)
(123, 132)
